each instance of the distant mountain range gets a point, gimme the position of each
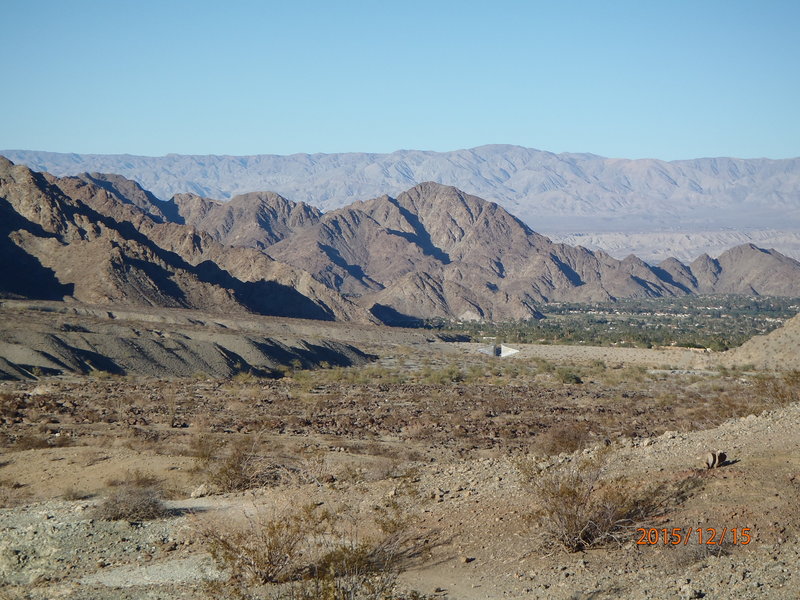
(655, 208)
(430, 251)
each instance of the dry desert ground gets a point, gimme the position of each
(423, 470)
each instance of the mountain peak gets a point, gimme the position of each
(431, 251)
(715, 201)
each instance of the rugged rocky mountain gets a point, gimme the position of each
(257, 219)
(260, 273)
(433, 251)
(101, 240)
(702, 205)
(746, 269)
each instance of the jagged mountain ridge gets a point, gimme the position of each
(85, 238)
(433, 251)
(554, 193)
(256, 219)
(434, 246)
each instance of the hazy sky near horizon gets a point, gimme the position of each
(631, 79)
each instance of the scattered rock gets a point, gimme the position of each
(715, 459)
(201, 491)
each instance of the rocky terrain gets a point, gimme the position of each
(436, 252)
(431, 252)
(705, 205)
(73, 238)
(449, 439)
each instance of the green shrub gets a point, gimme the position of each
(565, 375)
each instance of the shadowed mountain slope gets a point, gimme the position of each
(431, 252)
(112, 244)
(435, 251)
(57, 338)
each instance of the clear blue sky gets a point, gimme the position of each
(663, 79)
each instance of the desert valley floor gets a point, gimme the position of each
(447, 457)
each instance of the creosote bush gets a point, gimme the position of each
(238, 466)
(130, 502)
(578, 508)
(73, 494)
(777, 391)
(565, 437)
(565, 375)
(30, 442)
(308, 554)
(11, 493)
(135, 478)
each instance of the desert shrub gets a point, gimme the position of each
(72, 494)
(305, 554)
(565, 437)
(766, 392)
(792, 379)
(449, 374)
(565, 375)
(244, 377)
(203, 447)
(778, 390)
(259, 550)
(11, 493)
(579, 509)
(475, 373)
(101, 374)
(131, 503)
(60, 441)
(625, 375)
(239, 466)
(135, 478)
(355, 570)
(30, 442)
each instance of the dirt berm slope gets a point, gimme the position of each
(53, 338)
(779, 350)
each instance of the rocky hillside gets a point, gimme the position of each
(257, 219)
(433, 251)
(436, 252)
(706, 200)
(57, 338)
(104, 240)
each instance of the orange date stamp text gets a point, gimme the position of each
(710, 536)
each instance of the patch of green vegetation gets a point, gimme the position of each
(716, 322)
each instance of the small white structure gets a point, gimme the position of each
(502, 350)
